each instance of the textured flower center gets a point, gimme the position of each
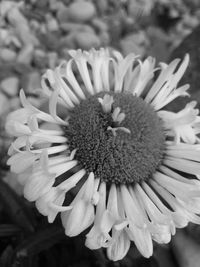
(121, 140)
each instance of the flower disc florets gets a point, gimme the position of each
(121, 152)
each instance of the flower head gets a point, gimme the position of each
(114, 144)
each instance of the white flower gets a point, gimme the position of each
(116, 149)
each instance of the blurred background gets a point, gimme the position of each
(36, 35)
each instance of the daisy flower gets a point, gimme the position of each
(132, 166)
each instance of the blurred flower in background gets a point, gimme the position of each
(113, 141)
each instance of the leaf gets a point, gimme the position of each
(163, 254)
(26, 262)
(39, 241)
(15, 208)
(6, 256)
(186, 250)
(143, 262)
(8, 230)
(100, 258)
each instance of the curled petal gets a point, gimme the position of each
(50, 203)
(80, 218)
(119, 245)
(21, 161)
(38, 184)
(142, 239)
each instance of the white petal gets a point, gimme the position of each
(80, 218)
(72, 181)
(142, 240)
(37, 184)
(119, 245)
(81, 62)
(72, 80)
(19, 162)
(131, 209)
(187, 166)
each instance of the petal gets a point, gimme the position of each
(119, 245)
(142, 240)
(81, 62)
(37, 184)
(98, 235)
(96, 239)
(80, 218)
(19, 162)
(17, 128)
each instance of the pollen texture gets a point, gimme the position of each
(127, 157)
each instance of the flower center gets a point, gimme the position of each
(118, 136)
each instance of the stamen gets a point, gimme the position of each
(106, 103)
(117, 116)
(114, 129)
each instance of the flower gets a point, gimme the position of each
(134, 166)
